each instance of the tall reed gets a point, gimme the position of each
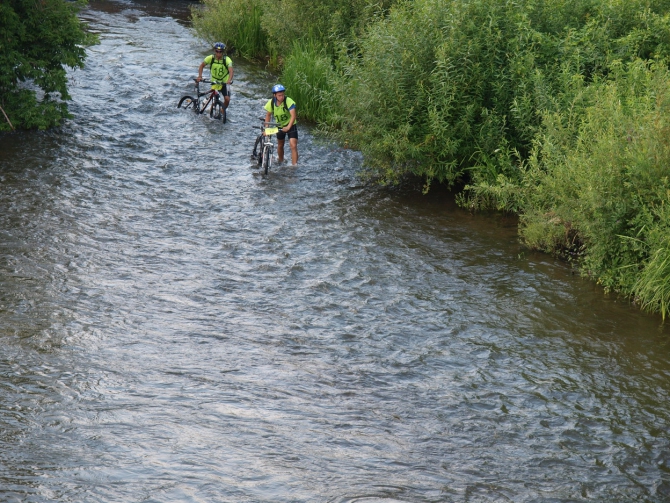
(653, 285)
(308, 76)
(237, 23)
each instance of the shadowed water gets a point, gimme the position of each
(175, 327)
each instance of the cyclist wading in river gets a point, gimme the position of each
(283, 109)
(221, 70)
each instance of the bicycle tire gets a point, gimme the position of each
(257, 152)
(263, 164)
(216, 111)
(267, 158)
(188, 102)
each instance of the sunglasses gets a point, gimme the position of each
(218, 51)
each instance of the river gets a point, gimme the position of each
(176, 327)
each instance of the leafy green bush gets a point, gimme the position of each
(458, 90)
(384, 96)
(331, 23)
(431, 92)
(603, 191)
(37, 40)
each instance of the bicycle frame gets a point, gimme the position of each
(212, 95)
(211, 98)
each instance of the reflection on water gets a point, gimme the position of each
(177, 327)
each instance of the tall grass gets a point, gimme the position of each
(308, 76)
(237, 23)
(653, 285)
(261, 28)
(384, 95)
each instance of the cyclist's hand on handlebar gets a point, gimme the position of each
(198, 79)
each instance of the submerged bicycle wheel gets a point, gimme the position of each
(257, 153)
(188, 102)
(216, 111)
(267, 159)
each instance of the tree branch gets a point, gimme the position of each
(10, 122)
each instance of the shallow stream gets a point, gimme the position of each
(175, 327)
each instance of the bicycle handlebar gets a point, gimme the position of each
(269, 124)
(204, 81)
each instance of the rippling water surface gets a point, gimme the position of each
(175, 327)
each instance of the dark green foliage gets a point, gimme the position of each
(467, 83)
(38, 38)
(602, 192)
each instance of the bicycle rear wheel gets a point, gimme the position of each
(257, 153)
(188, 102)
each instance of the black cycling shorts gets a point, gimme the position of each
(292, 133)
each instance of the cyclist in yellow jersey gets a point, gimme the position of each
(221, 70)
(283, 108)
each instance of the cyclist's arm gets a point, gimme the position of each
(290, 122)
(230, 75)
(200, 69)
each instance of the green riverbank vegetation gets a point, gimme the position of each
(555, 110)
(38, 39)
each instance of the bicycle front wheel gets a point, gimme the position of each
(267, 158)
(216, 111)
(188, 102)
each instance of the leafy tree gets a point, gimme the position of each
(38, 39)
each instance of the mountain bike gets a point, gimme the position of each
(199, 104)
(266, 145)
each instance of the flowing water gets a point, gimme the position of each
(175, 327)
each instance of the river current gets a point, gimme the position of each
(176, 327)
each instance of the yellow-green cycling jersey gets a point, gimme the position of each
(218, 68)
(282, 113)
